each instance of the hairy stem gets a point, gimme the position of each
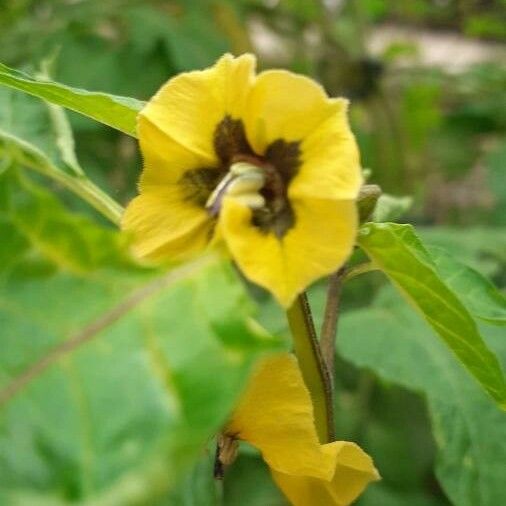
(330, 319)
(314, 370)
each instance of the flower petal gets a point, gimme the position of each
(319, 243)
(276, 415)
(165, 225)
(330, 161)
(165, 161)
(190, 106)
(283, 105)
(354, 470)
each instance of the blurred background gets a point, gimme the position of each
(427, 81)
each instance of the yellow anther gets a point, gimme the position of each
(240, 168)
(251, 200)
(247, 183)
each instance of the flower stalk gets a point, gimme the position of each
(314, 370)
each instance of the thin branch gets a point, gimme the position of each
(331, 314)
(330, 319)
(95, 327)
(359, 269)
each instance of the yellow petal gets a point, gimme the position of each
(190, 106)
(319, 243)
(354, 470)
(164, 224)
(275, 415)
(330, 161)
(165, 161)
(283, 105)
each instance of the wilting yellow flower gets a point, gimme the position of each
(264, 164)
(276, 416)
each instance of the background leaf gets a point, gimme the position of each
(123, 417)
(467, 425)
(26, 119)
(37, 135)
(249, 483)
(398, 252)
(480, 296)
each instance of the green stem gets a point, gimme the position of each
(81, 186)
(314, 371)
(92, 194)
(330, 318)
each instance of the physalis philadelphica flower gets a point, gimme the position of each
(265, 165)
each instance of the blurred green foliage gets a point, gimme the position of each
(434, 134)
(417, 126)
(123, 418)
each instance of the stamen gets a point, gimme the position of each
(247, 183)
(251, 200)
(240, 168)
(243, 182)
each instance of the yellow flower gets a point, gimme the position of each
(264, 164)
(276, 416)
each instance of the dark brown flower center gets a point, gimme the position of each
(279, 164)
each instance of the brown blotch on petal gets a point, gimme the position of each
(277, 223)
(198, 184)
(285, 157)
(280, 164)
(283, 160)
(230, 140)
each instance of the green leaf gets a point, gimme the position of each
(480, 296)
(199, 488)
(27, 119)
(70, 241)
(37, 135)
(380, 495)
(398, 252)
(154, 365)
(468, 429)
(117, 112)
(249, 483)
(482, 248)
